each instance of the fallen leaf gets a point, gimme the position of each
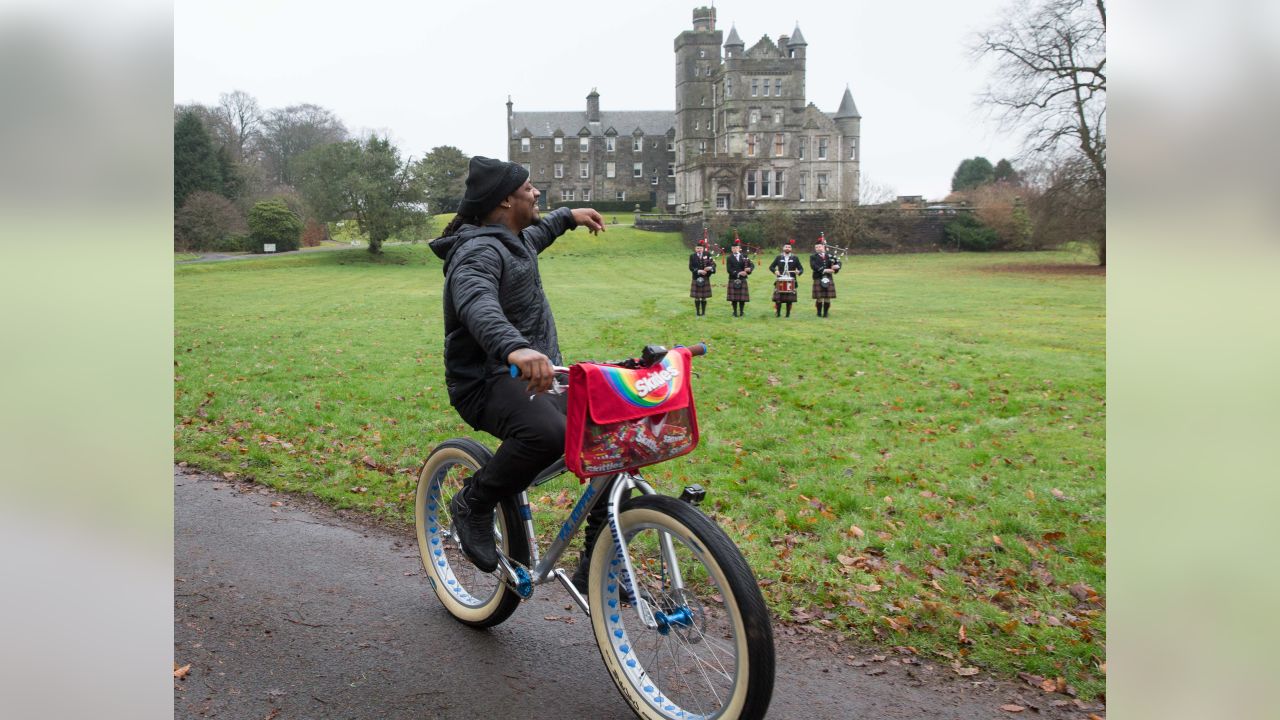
(181, 672)
(1058, 493)
(277, 503)
(845, 559)
(856, 531)
(369, 462)
(964, 638)
(966, 671)
(996, 539)
(1012, 708)
(359, 489)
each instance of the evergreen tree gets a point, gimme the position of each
(195, 161)
(971, 173)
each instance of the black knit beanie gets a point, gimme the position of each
(489, 182)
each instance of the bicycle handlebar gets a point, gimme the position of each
(698, 348)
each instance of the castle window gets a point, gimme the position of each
(822, 186)
(621, 195)
(766, 88)
(755, 87)
(804, 186)
(754, 116)
(637, 144)
(751, 144)
(671, 169)
(697, 124)
(702, 53)
(702, 146)
(559, 170)
(559, 145)
(777, 87)
(524, 145)
(637, 170)
(777, 116)
(800, 146)
(722, 201)
(584, 144)
(779, 144)
(751, 183)
(611, 170)
(778, 190)
(566, 195)
(822, 148)
(584, 169)
(586, 194)
(653, 179)
(610, 144)
(671, 145)
(671, 198)
(765, 177)
(853, 150)
(728, 88)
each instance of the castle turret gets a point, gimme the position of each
(733, 46)
(795, 45)
(849, 122)
(697, 66)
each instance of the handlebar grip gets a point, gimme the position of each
(697, 349)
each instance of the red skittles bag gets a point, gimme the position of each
(624, 418)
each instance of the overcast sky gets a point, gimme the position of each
(430, 74)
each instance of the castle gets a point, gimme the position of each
(741, 137)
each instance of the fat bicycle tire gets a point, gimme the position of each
(715, 658)
(474, 598)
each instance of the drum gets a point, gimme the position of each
(785, 284)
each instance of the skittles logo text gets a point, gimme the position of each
(652, 388)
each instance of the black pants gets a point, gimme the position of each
(532, 435)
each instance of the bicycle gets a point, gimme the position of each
(675, 610)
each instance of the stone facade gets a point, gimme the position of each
(742, 136)
(745, 135)
(596, 156)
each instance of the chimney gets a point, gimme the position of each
(593, 106)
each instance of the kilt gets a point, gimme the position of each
(700, 291)
(824, 293)
(741, 294)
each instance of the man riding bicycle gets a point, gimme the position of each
(497, 315)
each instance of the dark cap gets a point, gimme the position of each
(489, 182)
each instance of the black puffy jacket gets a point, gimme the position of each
(494, 303)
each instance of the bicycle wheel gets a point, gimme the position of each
(711, 655)
(474, 598)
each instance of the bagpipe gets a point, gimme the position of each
(837, 254)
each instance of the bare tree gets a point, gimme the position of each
(240, 115)
(289, 132)
(1050, 82)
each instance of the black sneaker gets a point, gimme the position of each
(580, 575)
(475, 531)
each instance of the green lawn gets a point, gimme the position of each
(924, 468)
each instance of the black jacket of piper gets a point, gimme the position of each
(737, 265)
(705, 262)
(494, 304)
(789, 264)
(822, 262)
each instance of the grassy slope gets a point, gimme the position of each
(929, 458)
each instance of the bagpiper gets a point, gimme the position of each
(824, 267)
(739, 266)
(786, 268)
(701, 266)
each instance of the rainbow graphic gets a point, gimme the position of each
(661, 381)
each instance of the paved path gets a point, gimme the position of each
(290, 611)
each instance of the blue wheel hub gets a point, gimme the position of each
(680, 618)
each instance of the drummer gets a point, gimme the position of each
(787, 268)
(825, 267)
(739, 266)
(701, 266)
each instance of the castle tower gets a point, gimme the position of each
(593, 106)
(697, 66)
(849, 123)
